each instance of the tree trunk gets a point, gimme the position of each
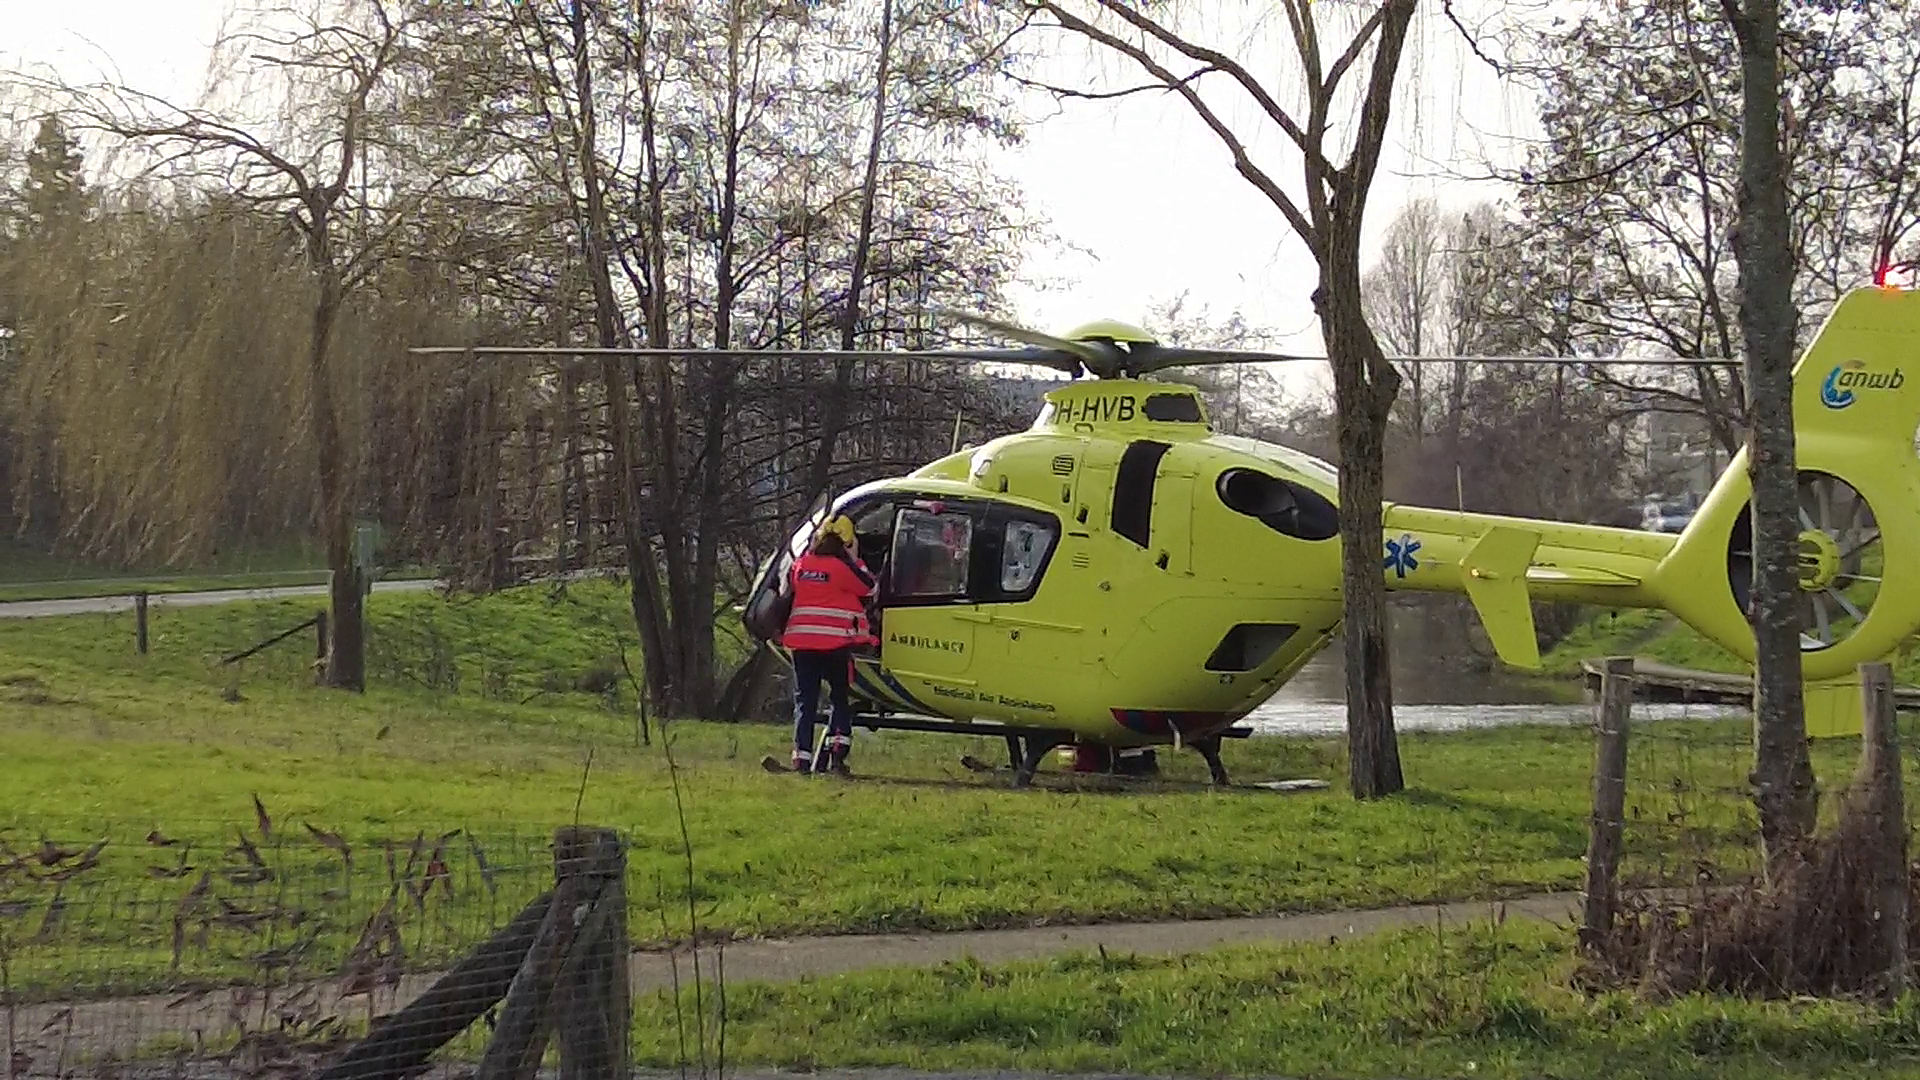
(1364, 386)
(747, 683)
(346, 657)
(693, 588)
(659, 423)
(575, 507)
(1782, 774)
(643, 589)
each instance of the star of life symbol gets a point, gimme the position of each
(1400, 555)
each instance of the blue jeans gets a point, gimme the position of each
(810, 668)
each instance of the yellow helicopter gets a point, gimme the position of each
(1122, 576)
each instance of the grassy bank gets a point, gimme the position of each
(485, 713)
(1657, 635)
(1654, 635)
(1481, 1001)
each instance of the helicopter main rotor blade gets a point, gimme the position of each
(1159, 358)
(1574, 361)
(1147, 358)
(1036, 356)
(1056, 353)
(1097, 359)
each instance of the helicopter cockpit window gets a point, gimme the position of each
(1023, 554)
(931, 552)
(873, 532)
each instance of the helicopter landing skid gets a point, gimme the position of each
(1209, 751)
(1028, 746)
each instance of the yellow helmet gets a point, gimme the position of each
(842, 525)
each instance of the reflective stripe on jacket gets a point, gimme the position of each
(828, 612)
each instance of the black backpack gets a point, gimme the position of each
(767, 609)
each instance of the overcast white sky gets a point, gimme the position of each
(1138, 184)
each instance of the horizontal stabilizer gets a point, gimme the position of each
(1580, 575)
(1495, 572)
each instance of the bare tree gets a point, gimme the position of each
(1632, 197)
(1403, 296)
(1764, 248)
(308, 164)
(730, 204)
(1329, 222)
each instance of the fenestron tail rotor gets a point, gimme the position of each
(1841, 559)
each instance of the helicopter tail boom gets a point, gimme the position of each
(1503, 564)
(1856, 411)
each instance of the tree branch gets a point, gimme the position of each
(1472, 42)
(1219, 61)
(1398, 14)
(1354, 48)
(1090, 95)
(1253, 173)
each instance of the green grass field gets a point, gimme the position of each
(1481, 1001)
(472, 724)
(475, 721)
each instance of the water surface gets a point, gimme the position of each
(1440, 684)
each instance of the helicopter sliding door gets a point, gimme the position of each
(930, 617)
(954, 575)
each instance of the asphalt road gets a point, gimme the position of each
(107, 605)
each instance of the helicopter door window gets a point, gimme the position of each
(1133, 490)
(931, 553)
(1023, 554)
(873, 532)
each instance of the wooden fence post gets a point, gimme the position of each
(140, 621)
(572, 985)
(592, 999)
(1609, 800)
(400, 1043)
(1883, 825)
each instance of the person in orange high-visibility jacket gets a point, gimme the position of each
(829, 618)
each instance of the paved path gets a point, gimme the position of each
(786, 961)
(124, 1024)
(106, 605)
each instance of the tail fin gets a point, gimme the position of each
(1856, 412)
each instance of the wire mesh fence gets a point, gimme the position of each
(272, 948)
(1690, 819)
(1685, 893)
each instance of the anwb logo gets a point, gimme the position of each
(1837, 390)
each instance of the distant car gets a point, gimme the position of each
(1665, 517)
